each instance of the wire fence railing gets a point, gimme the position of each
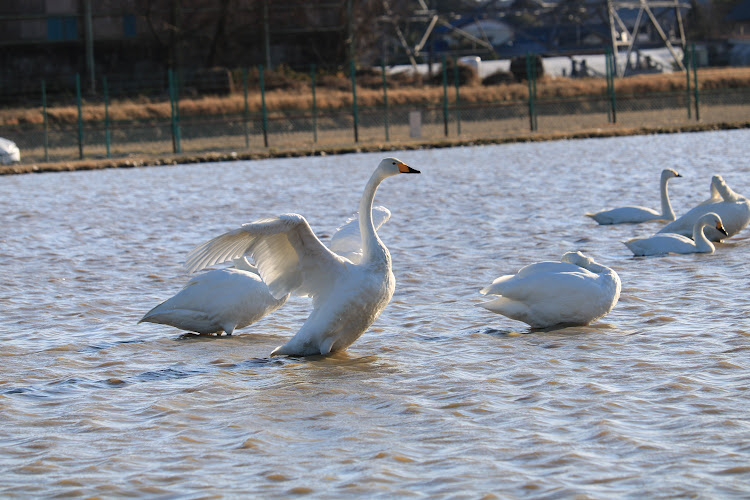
(274, 129)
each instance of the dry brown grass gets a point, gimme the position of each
(334, 93)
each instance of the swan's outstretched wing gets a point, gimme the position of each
(290, 258)
(347, 241)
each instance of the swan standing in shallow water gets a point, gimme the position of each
(664, 243)
(347, 297)
(224, 300)
(575, 291)
(635, 215)
(732, 208)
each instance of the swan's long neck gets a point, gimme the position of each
(666, 207)
(372, 247)
(608, 277)
(725, 191)
(702, 244)
(597, 268)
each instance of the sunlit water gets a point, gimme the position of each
(439, 397)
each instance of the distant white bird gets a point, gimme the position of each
(224, 300)
(575, 291)
(638, 214)
(347, 297)
(732, 208)
(665, 243)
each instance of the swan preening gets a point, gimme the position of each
(638, 214)
(220, 300)
(665, 243)
(224, 300)
(347, 297)
(732, 208)
(575, 291)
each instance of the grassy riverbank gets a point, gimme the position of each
(135, 161)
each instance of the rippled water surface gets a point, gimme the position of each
(439, 398)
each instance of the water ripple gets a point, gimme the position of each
(440, 398)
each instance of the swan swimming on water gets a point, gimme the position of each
(224, 300)
(664, 243)
(347, 297)
(636, 214)
(732, 208)
(575, 291)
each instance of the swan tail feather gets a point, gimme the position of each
(496, 287)
(184, 319)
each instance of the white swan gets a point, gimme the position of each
(734, 210)
(224, 300)
(664, 243)
(715, 195)
(636, 214)
(347, 297)
(575, 291)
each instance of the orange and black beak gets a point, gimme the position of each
(406, 169)
(721, 229)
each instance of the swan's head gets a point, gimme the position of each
(712, 219)
(669, 173)
(576, 258)
(718, 184)
(394, 166)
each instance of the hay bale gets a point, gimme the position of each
(467, 75)
(518, 67)
(499, 78)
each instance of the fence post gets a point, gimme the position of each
(611, 71)
(695, 85)
(175, 116)
(531, 79)
(385, 103)
(686, 60)
(445, 96)
(107, 135)
(263, 104)
(458, 109)
(44, 118)
(354, 100)
(80, 117)
(245, 111)
(607, 69)
(314, 104)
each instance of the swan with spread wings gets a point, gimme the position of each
(347, 297)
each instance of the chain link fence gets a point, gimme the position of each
(60, 133)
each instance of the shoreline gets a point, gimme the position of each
(134, 161)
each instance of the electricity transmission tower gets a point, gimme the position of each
(430, 18)
(623, 37)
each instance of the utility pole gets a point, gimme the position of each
(89, 44)
(266, 35)
(349, 31)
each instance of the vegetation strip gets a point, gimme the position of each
(143, 161)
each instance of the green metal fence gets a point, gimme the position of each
(386, 123)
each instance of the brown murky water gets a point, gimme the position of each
(440, 398)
